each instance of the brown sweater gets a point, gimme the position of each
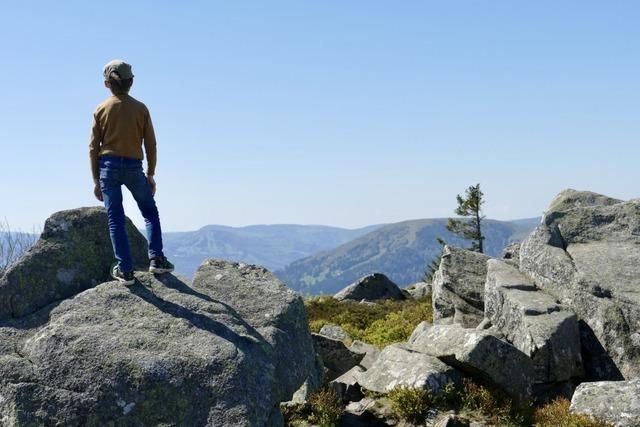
(120, 124)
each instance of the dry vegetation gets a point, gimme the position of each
(323, 409)
(473, 400)
(379, 324)
(556, 414)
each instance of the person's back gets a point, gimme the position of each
(124, 123)
(121, 125)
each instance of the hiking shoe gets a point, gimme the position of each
(124, 277)
(159, 265)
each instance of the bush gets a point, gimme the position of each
(397, 326)
(557, 414)
(325, 408)
(380, 324)
(493, 404)
(410, 404)
(479, 398)
(449, 397)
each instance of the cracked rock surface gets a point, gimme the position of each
(615, 401)
(458, 287)
(586, 253)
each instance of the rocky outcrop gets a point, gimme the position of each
(73, 254)
(370, 288)
(617, 402)
(336, 357)
(346, 385)
(419, 290)
(534, 323)
(585, 253)
(458, 287)
(368, 352)
(399, 365)
(480, 354)
(276, 312)
(159, 352)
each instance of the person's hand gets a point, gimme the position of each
(97, 192)
(152, 184)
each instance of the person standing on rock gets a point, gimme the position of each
(121, 126)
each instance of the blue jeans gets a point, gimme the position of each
(117, 171)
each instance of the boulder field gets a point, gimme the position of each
(558, 315)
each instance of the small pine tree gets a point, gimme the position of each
(469, 206)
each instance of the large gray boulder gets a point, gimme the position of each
(480, 354)
(224, 351)
(458, 287)
(275, 311)
(370, 288)
(73, 253)
(534, 323)
(399, 365)
(585, 253)
(617, 402)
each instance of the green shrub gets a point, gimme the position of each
(294, 414)
(479, 398)
(380, 324)
(449, 397)
(325, 408)
(493, 404)
(397, 326)
(557, 414)
(410, 404)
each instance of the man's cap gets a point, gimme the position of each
(117, 69)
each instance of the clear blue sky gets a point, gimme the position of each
(327, 112)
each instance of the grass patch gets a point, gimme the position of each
(380, 324)
(410, 404)
(493, 404)
(326, 408)
(323, 409)
(473, 400)
(557, 414)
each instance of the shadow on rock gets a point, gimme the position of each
(598, 365)
(196, 319)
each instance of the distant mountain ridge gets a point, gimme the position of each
(272, 246)
(401, 251)
(322, 259)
